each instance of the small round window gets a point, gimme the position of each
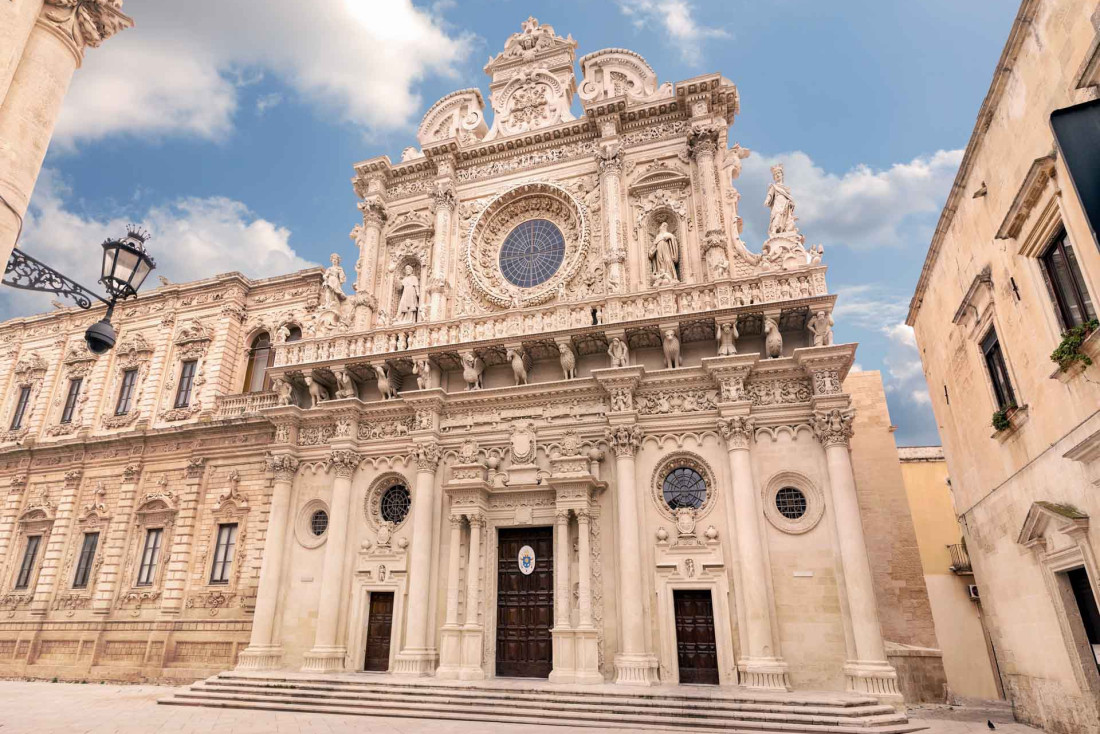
(684, 487)
(791, 503)
(318, 523)
(395, 504)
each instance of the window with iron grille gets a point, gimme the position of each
(21, 408)
(84, 565)
(126, 392)
(998, 371)
(71, 398)
(187, 380)
(27, 566)
(150, 555)
(223, 553)
(395, 504)
(791, 503)
(1065, 283)
(318, 523)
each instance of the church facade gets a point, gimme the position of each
(568, 426)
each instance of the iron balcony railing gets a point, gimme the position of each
(960, 559)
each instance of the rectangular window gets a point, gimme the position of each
(223, 553)
(187, 379)
(84, 565)
(21, 408)
(27, 566)
(71, 398)
(150, 555)
(1065, 283)
(126, 392)
(998, 371)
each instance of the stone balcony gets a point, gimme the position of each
(243, 404)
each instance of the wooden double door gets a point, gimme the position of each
(696, 649)
(525, 604)
(379, 631)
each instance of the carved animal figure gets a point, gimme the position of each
(773, 340)
(472, 367)
(519, 369)
(568, 361)
(726, 335)
(422, 368)
(318, 393)
(618, 352)
(672, 349)
(345, 386)
(385, 384)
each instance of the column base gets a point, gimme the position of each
(415, 663)
(328, 659)
(587, 650)
(471, 655)
(565, 659)
(875, 678)
(769, 673)
(636, 669)
(260, 657)
(450, 652)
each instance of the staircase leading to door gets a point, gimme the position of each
(518, 701)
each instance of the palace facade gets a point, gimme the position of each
(568, 426)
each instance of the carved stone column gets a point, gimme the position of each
(584, 580)
(418, 657)
(633, 665)
(367, 236)
(55, 546)
(183, 539)
(16, 22)
(610, 163)
(760, 665)
(53, 50)
(472, 632)
(328, 654)
(264, 651)
(703, 145)
(450, 644)
(869, 671)
(444, 201)
(114, 541)
(564, 646)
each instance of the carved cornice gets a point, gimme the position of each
(344, 462)
(738, 431)
(624, 440)
(833, 427)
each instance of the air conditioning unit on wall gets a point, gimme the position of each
(972, 590)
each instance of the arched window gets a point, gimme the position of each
(295, 333)
(259, 359)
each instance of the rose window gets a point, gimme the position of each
(684, 487)
(532, 253)
(395, 504)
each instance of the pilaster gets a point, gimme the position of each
(183, 538)
(55, 547)
(114, 545)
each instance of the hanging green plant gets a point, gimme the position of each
(1069, 351)
(1001, 421)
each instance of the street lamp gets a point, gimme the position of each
(125, 267)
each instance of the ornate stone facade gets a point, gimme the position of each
(556, 328)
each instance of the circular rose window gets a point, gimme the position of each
(395, 504)
(532, 253)
(684, 487)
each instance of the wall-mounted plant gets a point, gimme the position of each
(1069, 351)
(1001, 421)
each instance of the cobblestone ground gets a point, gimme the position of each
(68, 708)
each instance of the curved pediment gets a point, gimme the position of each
(659, 175)
(410, 224)
(618, 72)
(457, 115)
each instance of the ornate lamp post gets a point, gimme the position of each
(126, 265)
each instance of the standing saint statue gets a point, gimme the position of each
(782, 205)
(664, 254)
(409, 304)
(332, 284)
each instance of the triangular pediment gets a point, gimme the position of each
(1046, 520)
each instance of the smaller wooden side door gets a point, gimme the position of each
(379, 627)
(696, 649)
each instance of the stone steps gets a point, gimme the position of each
(526, 703)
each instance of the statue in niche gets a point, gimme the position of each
(519, 369)
(284, 390)
(472, 368)
(568, 361)
(780, 201)
(409, 305)
(332, 284)
(664, 255)
(422, 368)
(385, 382)
(727, 333)
(821, 326)
(671, 345)
(345, 385)
(617, 350)
(773, 340)
(318, 393)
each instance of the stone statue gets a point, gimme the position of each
(773, 340)
(671, 344)
(409, 304)
(779, 199)
(472, 368)
(821, 326)
(519, 369)
(282, 334)
(422, 368)
(385, 384)
(617, 350)
(734, 156)
(284, 390)
(318, 393)
(816, 253)
(727, 333)
(664, 254)
(332, 284)
(568, 361)
(345, 386)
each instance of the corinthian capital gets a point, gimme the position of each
(344, 462)
(624, 440)
(284, 466)
(428, 455)
(738, 431)
(374, 211)
(833, 427)
(703, 141)
(85, 23)
(196, 465)
(610, 160)
(443, 196)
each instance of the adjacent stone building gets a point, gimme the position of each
(1013, 266)
(569, 426)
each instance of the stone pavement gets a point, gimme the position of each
(72, 708)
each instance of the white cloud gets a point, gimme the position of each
(193, 238)
(267, 101)
(675, 17)
(179, 71)
(861, 209)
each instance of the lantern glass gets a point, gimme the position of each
(125, 267)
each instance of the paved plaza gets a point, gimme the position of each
(71, 708)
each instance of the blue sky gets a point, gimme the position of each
(229, 129)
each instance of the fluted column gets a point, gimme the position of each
(473, 570)
(183, 539)
(114, 541)
(450, 644)
(328, 654)
(633, 665)
(610, 163)
(418, 657)
(703, 146)
(761, 666)
(265, 651)
(561, 569)
(584, 581)
(869, 672)
(444, 201)
(53, 50)
(367, 237)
